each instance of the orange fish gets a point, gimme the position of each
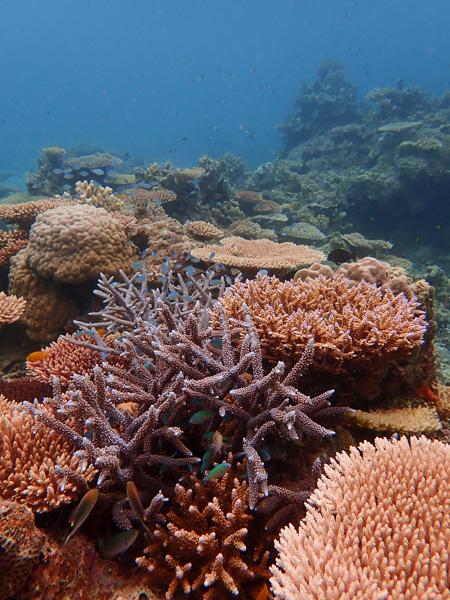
(263, 593)
(102, 331)
(38, 355)
(424, 392)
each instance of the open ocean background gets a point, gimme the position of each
(175, 79)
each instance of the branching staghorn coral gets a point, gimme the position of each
(192, 403)
(127, 301)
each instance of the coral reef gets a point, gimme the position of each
(376, 527)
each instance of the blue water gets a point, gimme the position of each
(177, 78)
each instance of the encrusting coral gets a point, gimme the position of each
(377, 527)
(406, 421)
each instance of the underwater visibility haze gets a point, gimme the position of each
(224, 300)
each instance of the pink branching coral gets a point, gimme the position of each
(377, 527)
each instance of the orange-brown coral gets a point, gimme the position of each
(345, 320)
(377, 527)
(20, 547)
(253, 255)
(24, 389)
(204, 230)
(202, 549)
(29, 457)
(11, 308)
(10, 243)
(360, 333)
(25, 213)
(63, 359)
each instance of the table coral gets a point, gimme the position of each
(258, 254)
(358, 330)
(73, 244)
(24, 214)
(10, 243)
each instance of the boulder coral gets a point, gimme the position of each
(74, 244)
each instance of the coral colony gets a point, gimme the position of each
(203, 405)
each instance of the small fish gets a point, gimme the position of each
(206, 461)
(136, 504)
(263, 593)
(263, 272)
(212, 255)
(58, 171)
(340, 255)
(81, 513)
(84, 173)
(217, 442)
(424, 391)
(102, 331)
(98, 171)
(201, 417)
(172, 295)
(137, 265)
(215, 282)
(118, 544)
(217, 472)
(38, 355)
(216, 343)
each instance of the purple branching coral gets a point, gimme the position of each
(191, 402)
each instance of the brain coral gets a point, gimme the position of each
(73, 244)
